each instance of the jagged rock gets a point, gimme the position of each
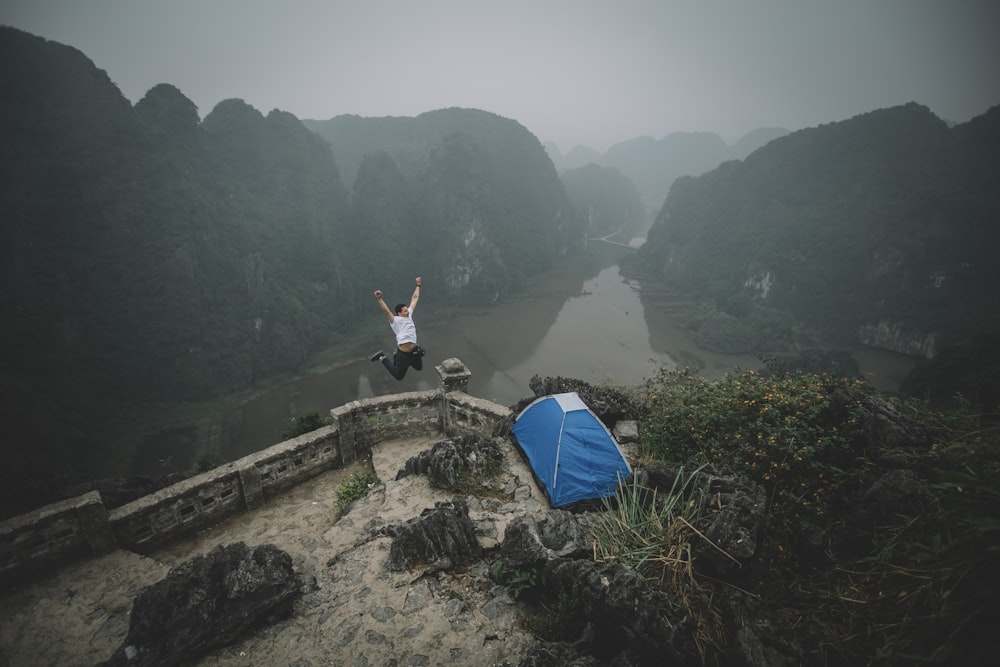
(450, 463)
(898, 492)
(738, 510)
(884, 426)
(529, 540)
(579, 650)
(738, 519)
(207, 602)
(626, 431)
(750, 651)
(970, 370)
(546, 654)
(608, 403)
(441, 537)
(630, 620)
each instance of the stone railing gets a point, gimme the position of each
(81, 527)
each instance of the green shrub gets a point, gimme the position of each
(356, 487)
(781, 432)
(517, 580)
(923, 589)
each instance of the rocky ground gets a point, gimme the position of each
(354, 609)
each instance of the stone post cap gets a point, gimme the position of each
(454, 375)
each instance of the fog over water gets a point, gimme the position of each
(584, 321)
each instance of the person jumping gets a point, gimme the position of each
(407, 353)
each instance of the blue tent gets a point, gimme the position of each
(572, 452)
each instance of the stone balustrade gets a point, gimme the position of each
(81, 527)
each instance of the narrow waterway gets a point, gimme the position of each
(583, 321)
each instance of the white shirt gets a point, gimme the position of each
(403, 327)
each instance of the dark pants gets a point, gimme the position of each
(401, 362)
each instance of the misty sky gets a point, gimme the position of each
(571, 71)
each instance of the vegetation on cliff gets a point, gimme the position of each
(470, 194)
(882, 544)
(791, 518)
(888, 217)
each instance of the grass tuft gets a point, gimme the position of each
(355, 487)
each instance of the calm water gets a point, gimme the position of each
(585, 321)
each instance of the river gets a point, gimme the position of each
(583, 320)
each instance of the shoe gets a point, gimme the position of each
(378, 356)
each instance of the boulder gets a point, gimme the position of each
(451, 463)
(968, 371)
(441, 538)
(623, 619)
(626, 431)
(894, 493)
(749, 650)
(207, 602)
(529, 540)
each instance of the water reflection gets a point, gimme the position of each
(598, 335)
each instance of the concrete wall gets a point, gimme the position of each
(81, 527)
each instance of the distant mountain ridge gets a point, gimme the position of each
(654, 164)
(879, 229)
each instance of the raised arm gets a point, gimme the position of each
(416, 295)
(385, 308)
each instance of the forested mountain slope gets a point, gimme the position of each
(880, 229)
(463, 190)
(148, 255)
(168, 258)
(606, 199)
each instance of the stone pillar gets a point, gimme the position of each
(454, 375)
(253, 487)
(345, 424)
(94, 523)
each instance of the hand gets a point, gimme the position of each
(378, 294)
(418, 281)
